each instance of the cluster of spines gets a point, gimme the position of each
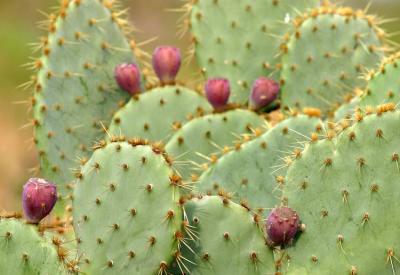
(327, 8)
(391, 60)
(157, 147)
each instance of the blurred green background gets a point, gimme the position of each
(18, 28)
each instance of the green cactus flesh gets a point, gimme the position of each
(126, 211)
(325, 57)
(346, 110)
(254, 173)
(384, 84)
(76, 92)
(23, 251)
(346, 192)
(225, 238)
(156, 114)
(241, 41)
(209, 135)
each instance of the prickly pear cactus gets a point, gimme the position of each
(383, 84)
(346, 193)
(23, 251)
(254, 174)
(341, 192)
(240, 41)
(319, 73)
(157, 114)
(207, 136)
(75, 91)
(225, 239)
(126, 212)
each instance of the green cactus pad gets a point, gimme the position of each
(241, 41)
(346, 192)
(254, 174)
(346, 110)
(156, 114)
(126, 211)
(383, 84)
(75, 91)
(23, 251)
(229, 239)
(325, 57)
(209, 135)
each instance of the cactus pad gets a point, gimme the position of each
(320, 73)
(346, 110)
(254, 173)
(384, 83)
(75, 90)
(230, 239)
(209, 135)
(346, 193)
(241, 41)
(23, 251)
(155, 115)
(126, 210)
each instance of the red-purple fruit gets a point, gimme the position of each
(282, 226)
(38, 199)
(265, 91)
(166, 63)
(128, 77)
(217, 92)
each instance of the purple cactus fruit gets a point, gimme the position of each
(166, 63)
(282, 226)
(265, 90)
(38, 199)
(217, 92)
(128, 77)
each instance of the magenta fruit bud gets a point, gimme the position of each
(166, 63)
(217, 92)
(128, 78)
(282, 226)
(265, 90)
(38, 199)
